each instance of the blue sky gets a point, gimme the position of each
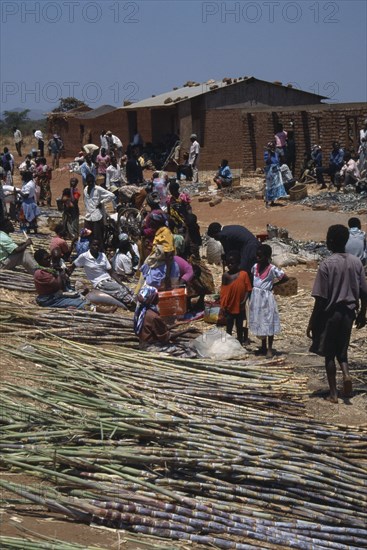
(109, 50)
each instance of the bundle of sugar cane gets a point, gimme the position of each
(17, 543)
(78, 325)
(17, 280)
(75, 325)
(272, 387)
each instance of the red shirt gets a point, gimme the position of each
(46, 283)
(58, 242)
(233, 294)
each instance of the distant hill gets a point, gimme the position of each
(34, 114)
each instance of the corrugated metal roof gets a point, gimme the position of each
(188, 92)
(102, 110)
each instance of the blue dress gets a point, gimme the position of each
(274, 184)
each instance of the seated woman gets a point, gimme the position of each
(50, 283)
(151, 329)
(224, 176)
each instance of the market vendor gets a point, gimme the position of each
(50, 283)
(100, 273)
(152, 330)
(11, 254)
(159, 268)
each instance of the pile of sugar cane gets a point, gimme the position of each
(219, 454)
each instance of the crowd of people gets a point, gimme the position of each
(342, 167)
(130, 262)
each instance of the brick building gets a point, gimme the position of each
(241, 135)
(233, 118)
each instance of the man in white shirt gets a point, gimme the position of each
(95, 197)
(194, 154)
(104, 141)
(18, 140)
(99, 272)
(88, 167)
(113, 174)
(27, 165)
(92, 150)
(41, 143)
(126, 259)
(117, 144)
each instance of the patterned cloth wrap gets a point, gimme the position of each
(146, 297)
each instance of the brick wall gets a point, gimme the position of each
(224, 139)
(144, 122)
(241, 135)
(74, 137)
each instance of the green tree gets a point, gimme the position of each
(15, 118)
(69, 103)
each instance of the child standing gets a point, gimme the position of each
(233, 294)
(264, 316)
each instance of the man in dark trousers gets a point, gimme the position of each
(339, 286)
(236, 237)
(134, 172)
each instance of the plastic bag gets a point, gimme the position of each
(217, 344)
(282, 254)
(214, 251)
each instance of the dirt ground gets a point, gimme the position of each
(303, 224)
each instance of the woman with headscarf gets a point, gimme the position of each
(148, 324)
(178, 205)
(153, 332)
(159, 268)
(274, 184)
